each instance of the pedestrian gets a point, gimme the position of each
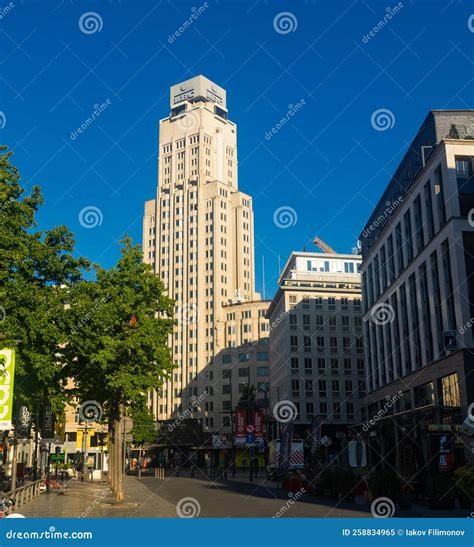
(20, 473)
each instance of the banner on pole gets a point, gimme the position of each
(240, 423)
(258, 423)
(7, 376)
(48, 424)
(23, 426)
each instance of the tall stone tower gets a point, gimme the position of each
(198, 235)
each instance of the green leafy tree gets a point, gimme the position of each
(36, 268)
(118, 328)
(247, 399)
(144, 425)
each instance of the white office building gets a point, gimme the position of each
(316, 350)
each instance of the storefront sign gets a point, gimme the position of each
(439, 427)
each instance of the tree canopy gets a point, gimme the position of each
(108, 335)
(117, 328)
(35, 266)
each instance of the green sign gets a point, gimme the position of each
(56, 458)
(7, 376)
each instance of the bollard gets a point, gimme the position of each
(139, 473)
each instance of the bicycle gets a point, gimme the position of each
(55, 486)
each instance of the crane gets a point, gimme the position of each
(323, 246)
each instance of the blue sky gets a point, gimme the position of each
(328, 163)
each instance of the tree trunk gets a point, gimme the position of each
(111, 477)
(120, 456)
(14, 462)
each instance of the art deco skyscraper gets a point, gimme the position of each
(198, 235)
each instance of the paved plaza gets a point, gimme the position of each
(150, 497)
(197, 496)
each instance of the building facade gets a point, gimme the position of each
(418, 294)
(198, 235)
(316, 350)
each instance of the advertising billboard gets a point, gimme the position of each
(7, 376)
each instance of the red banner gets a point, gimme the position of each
(258, 423)
(240, 423)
